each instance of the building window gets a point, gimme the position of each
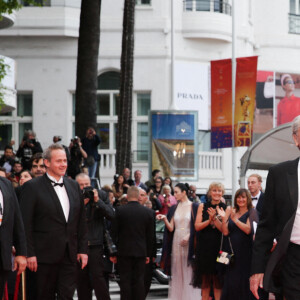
(294, 17)
(108, 104)
(221, 6)
(143, 2)
(14, 124)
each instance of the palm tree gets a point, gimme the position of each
(123, 155)
(87, 66)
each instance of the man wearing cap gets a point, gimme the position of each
(288, 107)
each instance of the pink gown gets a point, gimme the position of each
(180, 287)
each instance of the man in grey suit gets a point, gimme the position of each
(11, 233)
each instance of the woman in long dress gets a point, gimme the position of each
(237, 225)
(206, 272)
(178, 240)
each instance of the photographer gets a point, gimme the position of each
(90, 144)
(27, 148)
(97, 207)
(76, 154)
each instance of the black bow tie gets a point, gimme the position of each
(254, 198)
(55, 183)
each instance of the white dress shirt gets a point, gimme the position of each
(254, 202)
(295, 236)
(62, 195)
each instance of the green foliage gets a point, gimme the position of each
(7, 6)
(3, 71)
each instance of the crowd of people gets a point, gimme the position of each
(69, 234)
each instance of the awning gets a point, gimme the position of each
(275, 146)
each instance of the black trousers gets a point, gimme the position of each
(290, 275)
(148, 277)
(57, 278)
(3, 279)
(132, 272)
(92, 276)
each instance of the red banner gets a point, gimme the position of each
(221, 104)
(245, 88)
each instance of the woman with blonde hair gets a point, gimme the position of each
(208, 243)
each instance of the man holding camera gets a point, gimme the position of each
(28, 147)
(97, 207)
(90, 145)
(76, 155)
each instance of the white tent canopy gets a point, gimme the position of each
(275, 146)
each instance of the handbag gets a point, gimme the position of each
(223, 256)
(109, 246)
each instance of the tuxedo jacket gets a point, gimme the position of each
(132, 230)
(12, 229)
(276, 221)
(48, 233)
(260, 203)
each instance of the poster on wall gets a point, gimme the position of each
(245, 88)
(287, 97)
(265, 92)
(221, 104)
(173, 144)
(191, 90)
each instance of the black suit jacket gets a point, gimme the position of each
(12, 229)
(276, 221)
(260, 203)
(47, 232)
(132, 230)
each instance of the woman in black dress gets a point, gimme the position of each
(237, 225)
(208, 243)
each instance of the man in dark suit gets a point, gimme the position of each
(280, 218)
(97, 208)
(132, 231)
(11, 233)
(143, 197)
(254, 187)
(55, 225)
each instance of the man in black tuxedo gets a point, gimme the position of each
(11, 233)
(279, 271)
(132, 231)
(55, 226)
(254, 187)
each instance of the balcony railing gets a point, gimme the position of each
(207, 5)
(208, 161)
(53, 3)
(294, 23)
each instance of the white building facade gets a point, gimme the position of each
(43, 42)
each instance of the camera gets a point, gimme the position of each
(88, 193)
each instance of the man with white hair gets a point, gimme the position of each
(279, 271)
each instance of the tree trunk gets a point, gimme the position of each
(123, 155)
(87, 66)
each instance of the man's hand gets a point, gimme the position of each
(20, 264)
(86, 201)
(82, 259)
(96, 196)
(147, 260)
(256, 280)
(32, 263)
(113, 259)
